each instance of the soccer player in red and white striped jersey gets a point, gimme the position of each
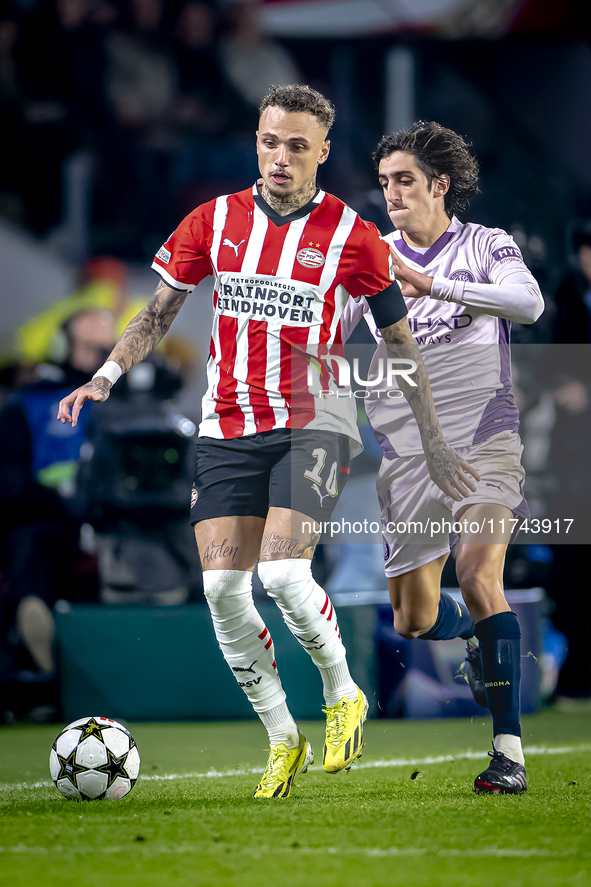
(281, 284)
(273, 455)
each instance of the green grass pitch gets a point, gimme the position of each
(191, 820)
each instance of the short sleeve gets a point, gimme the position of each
(372, 270)
(183, 260)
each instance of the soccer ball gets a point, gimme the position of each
(94, 758)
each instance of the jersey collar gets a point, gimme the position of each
(274, 216)
(423, 259)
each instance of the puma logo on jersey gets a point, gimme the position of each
(497, 486)
(322, 498)
(235, 247)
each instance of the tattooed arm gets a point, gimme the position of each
(147, 328)
(448, 470)
(139, 339)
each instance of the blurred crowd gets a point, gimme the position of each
(159, 100)
(92, 513)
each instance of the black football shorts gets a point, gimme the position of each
(305, 471)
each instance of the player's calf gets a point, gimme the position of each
(243, 637)
(312, 619)
(453, 620)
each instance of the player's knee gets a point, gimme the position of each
(477, 583)
(276, 575)
(226, 583)
(411, 625)
(291, 585)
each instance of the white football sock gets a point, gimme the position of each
(510, 746)
(280, 725)
(337, 683)
(243, 637)
(311, 618)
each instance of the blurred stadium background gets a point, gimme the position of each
(119, 118)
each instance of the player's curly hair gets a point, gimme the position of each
(438, 151)
(298, 99)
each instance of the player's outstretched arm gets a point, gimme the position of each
(448, 470)
(138, 340)
(518, 298)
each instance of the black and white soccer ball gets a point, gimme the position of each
(94, 758)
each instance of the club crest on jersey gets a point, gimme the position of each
(194, 496)
(463, 274)
(163, 255)
(310, 258)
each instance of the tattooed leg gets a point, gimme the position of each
(285, 536)
(285, 570)
(229, 543)
(228, 547)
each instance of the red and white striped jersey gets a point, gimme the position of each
(280, 287)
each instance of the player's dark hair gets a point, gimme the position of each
(437, 151)
(300, 100)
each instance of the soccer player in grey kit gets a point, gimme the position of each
(463, 285)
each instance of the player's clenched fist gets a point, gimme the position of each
(96, 390)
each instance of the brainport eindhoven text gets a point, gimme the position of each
(264, 297)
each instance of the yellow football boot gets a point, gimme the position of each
(283, 766)
(344, 732)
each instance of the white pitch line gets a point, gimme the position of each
(470, 756)
(369, 852)
(530, 750)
